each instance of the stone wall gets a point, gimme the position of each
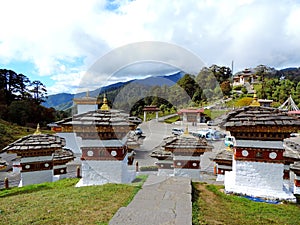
(36, 177)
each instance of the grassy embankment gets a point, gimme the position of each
(10, 132)
(172, 119)
(62, 203)
(211, 206)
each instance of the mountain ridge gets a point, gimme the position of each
(63, 101)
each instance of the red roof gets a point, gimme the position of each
(151, 108)
(294, 112)
(191, 111)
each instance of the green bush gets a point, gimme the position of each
(237, 88)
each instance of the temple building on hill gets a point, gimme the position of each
(105, 145)
(41, 158)
(180, 155)
(192, 115)
(245, 76)
(258, 153)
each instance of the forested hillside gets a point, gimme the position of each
(10, 132)
(210, 84)
(189, 91)
(20, 100)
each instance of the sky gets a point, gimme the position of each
(62, 42)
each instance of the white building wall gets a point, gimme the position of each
(96, 172)
(36, 177)
(296, 190)
(191, 173)
(184, 157)
(291, 181)
(165, 172)
(59, 177)
(258, 174)
(86, 108)
(73, 142)
(257, 179)
(220, 177)
(16, 166)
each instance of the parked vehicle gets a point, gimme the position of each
(177, 131)
(229, 141)
(138, 131)
(135, 119)
(211, 123)
(210, 134)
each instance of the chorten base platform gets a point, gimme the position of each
(102, 172)
(268, 193)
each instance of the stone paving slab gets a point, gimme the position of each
(161, 201)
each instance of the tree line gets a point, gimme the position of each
(279, 90)
(210, 84)
(20, 100)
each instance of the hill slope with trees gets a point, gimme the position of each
(20, 100)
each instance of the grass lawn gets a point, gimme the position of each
(62, 203)
(172, 119)
(211, 206)
(216, 113)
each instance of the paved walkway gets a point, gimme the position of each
(161, 201)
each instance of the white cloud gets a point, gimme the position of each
(67, 82)
(54, 34)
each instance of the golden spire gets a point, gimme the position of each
(186, 131)
(37, 131)
(104, 105)
(255, 102)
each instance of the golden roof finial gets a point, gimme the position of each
(37, 131)
(255, 102)
(186, 131)
(104, 105)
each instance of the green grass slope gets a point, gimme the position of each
(10, 132)
(211, 206)
(62, 203)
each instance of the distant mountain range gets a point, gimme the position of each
(64, 101)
